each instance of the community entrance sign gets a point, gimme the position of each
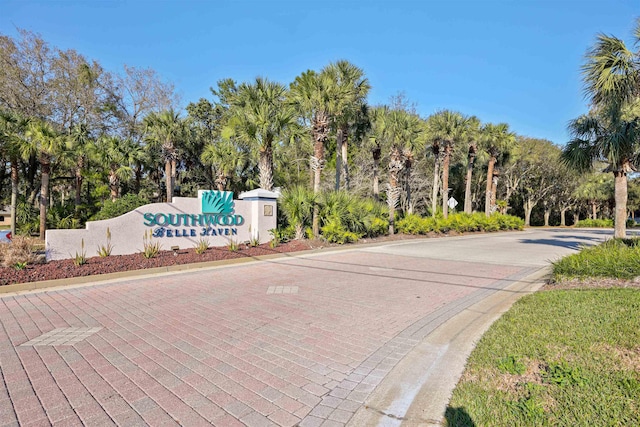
(213, 216)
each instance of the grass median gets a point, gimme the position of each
(560, 357)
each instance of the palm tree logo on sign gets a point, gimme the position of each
(217, 202)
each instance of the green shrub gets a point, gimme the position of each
(105, 250)
(334, 232)
(411, 224)
(150, 249)
(81, 257)
(617, 258)
(297, 206)
(595, 223)
(201, 246)
(233, 246)
(460, 222)
(121, 206)
(377, 227)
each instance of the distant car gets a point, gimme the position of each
(5, 236)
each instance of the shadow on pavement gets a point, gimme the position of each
(569, 244)
(458, 417)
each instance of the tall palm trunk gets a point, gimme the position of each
(14, 192)
(173, 175)
(265, 167)
(376, 153)
(320, 133)
(445, 180)
(339, 159)
(168, 181)
(45, 164)
(408, 164)
(436, 179)
(488, 192)
(138, 178)
(345, 158)
(467, 187)
(114, 182)
(221, 180)
(79, 179)
(620, 190)
(494, 190)
(395, 167)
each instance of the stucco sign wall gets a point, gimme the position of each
(213, 216)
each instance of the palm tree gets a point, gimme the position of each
(12, 128)
(78, 142)
(495, 140)
(297, 205)
(226, 158)
(436, 150)
(119, 155)
(447, 128)
(314, 95)
(43, 141)
(472, 134)
(611, 76)
(595, 139)
(404, 130)
(352, 88)
(260, 118)
(166, 130)
(378, 138)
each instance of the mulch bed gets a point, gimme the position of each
(64, 269)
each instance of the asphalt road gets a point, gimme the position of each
(374, 335)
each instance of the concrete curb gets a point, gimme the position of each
(418, 389)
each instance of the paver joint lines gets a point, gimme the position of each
(224, 349)
(62, 336)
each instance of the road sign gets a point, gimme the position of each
(452, 203)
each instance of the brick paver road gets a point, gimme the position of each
(298, 340)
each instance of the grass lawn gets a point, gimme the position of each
(557, 358)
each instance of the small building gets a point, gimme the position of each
(5, 218)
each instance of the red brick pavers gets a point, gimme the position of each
(213, 347)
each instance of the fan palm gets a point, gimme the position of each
(166, 131)
(378, 138)
(314, 95)
(119, 155)
(595, 139)
(472, 134)
(43, 141)
(496, 140)
(611, 75)
(260, 117)
(226, 158)
(78, 142)
(352, 88)
(447, 128)
(404, 129)
(12, 128)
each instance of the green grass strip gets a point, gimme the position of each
(557, 358)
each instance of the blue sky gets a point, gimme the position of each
(501, 60)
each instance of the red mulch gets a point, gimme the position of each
(64, 269)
